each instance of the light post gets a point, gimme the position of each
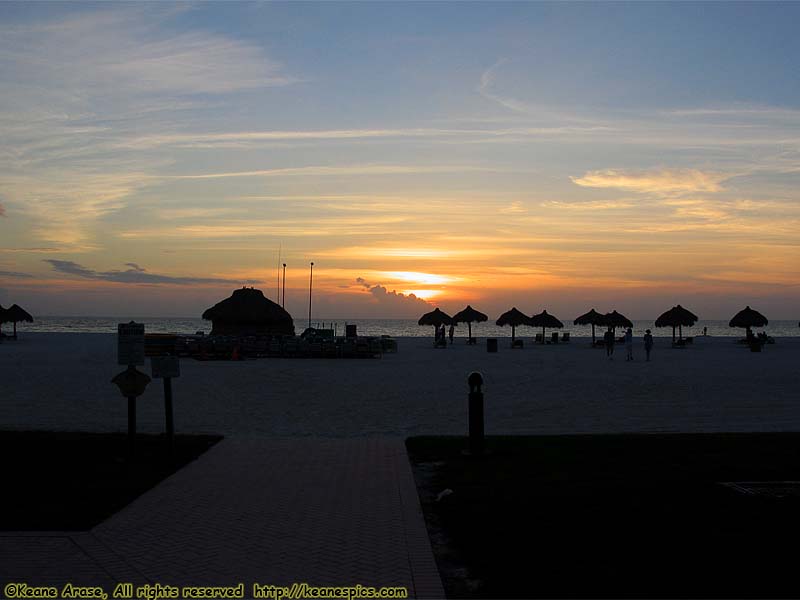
(310, 284)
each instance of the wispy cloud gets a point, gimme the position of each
(486, 88)
(15, 274)
(76, 88)
(346, 170)
(588, 206)
(118, 51)
(135, 275)
(245, 139)
(663, 181)
(486, 85)
(515, 208)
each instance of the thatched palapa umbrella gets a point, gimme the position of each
(15, 314)
(436, 318)
(677, 316)
(614, 320)
(543, 320)
(248, 312)
(747, 318)
(590, 318)
(514, 318)
(469, 316)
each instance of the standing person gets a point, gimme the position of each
(629, 344)
(648, 343)
(705, 331)
(452, 331)
(608, 338)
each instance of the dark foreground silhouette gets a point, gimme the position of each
(73, 481)
(613, 515)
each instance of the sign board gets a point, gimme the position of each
(165, 367)
(130, 343)
(131, 382)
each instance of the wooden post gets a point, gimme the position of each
(131, 426)
(476, 438)
(168, 412)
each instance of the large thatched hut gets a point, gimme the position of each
(248, 312)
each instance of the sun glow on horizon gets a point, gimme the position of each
(420, 278)
(423, 294)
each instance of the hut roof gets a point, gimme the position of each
(15, 314)
(677, 316)
(747, 317)
(514, 318)
(247, 305)
(469, 315)
(544, 319)
(615, 319)
(590, 318)
(436, 318)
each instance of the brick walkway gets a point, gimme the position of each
(326, 512)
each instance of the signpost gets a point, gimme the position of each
(131, 381)
(476, 445)
(167, 367)
(130, 344)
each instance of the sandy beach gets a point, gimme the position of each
(61, 381)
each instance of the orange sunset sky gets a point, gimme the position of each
(558, 156)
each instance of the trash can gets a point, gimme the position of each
(491, 344)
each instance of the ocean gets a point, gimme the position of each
(392, 327)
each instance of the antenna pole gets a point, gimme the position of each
(283, 302)
(310, 283)
(279, 274)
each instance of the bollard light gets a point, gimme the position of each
(475, 382)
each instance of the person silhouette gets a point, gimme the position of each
(452, 331)
(608, 338)
(648, 343)
(629, 344)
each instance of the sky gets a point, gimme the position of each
(564, 156)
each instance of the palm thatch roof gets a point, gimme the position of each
(675, 317)
(436, 317)
(469, 315)
(514, 318)
(747, 318)
(248, 312)
(615, 319)
(590, 318)
(544, 319)
(15, 314)
(679, 317)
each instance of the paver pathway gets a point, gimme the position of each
(322, 511)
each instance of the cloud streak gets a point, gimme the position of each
(15, 275)
(664, 181)
(134, 275)
(344, 170)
